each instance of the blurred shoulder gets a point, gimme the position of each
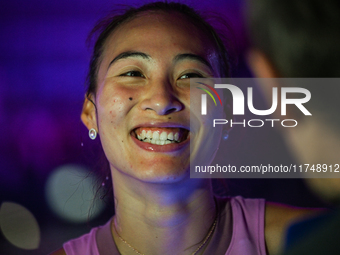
(59, 252)
(278, 218)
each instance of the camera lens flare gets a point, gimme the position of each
(71, 196)
(19, 226)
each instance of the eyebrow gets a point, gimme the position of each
(194, 57)
(128, 54)
(179, 57)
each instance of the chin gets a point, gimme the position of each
(163, 174)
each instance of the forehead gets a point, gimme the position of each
(159, 31)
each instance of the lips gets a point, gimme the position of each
(161, 136)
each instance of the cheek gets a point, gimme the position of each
(110, 109)
(113, 106)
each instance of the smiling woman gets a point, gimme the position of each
(138, 101)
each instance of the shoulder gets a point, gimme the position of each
(59, 252)
(278, 218)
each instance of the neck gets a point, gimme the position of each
(158, 218)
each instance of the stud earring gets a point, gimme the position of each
(92, 133)
(225, 135)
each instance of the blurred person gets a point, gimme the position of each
(139, 90)
(300, 39)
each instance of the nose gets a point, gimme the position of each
(162, 99)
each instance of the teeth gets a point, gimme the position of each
(171, 136)
(163, 136)
(158, 138)
(155, 136)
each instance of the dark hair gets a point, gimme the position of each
(299, 38)
(108, 25)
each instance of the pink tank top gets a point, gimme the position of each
(247, 235)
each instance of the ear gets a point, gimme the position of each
(260, 64)
(88, 114)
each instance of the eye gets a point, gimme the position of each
(133, 74)
(191, 75)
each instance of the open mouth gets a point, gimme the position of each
(161, 136)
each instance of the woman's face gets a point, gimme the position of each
(143, 96)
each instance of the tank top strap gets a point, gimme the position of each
(84, 245)
(248, 226)
(105, 242)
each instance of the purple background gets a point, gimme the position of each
(43, 64)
